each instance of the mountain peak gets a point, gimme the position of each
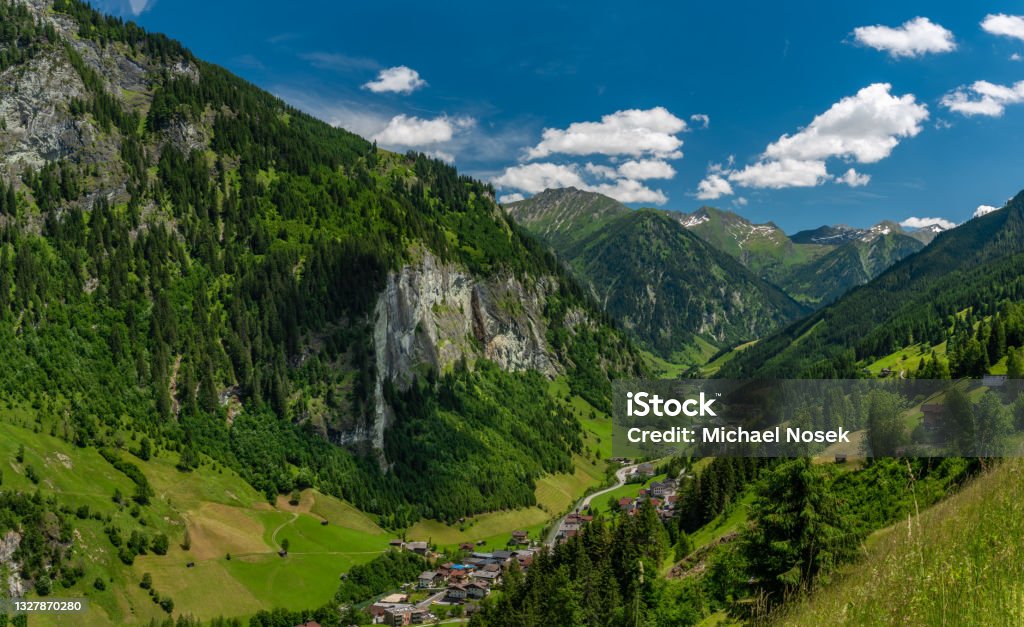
(555, 213)
(885, 227)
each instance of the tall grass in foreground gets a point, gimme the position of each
(960, 562)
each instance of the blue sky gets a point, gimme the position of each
(815, 112)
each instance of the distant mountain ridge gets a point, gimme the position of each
(827, 235)
(839, 234)
(671, 289)
(763, 248)
(980, 263)
(814, 267)
(850, 264)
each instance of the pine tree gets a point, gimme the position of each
(997, 341)
(1015, 363)
(799, 530)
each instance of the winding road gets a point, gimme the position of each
(620, 480)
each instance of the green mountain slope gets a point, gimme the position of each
(186, 257)
(848, 265)
(763, 248)
(92, 502)
(973, 266)
(914, 571)
(563, 216)
(665, 285)
(814, 267)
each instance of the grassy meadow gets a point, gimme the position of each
(223, 515)
(960, 562)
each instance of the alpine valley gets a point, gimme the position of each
(710, 279)
(258, 370)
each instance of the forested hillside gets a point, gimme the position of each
(683, 297)
(826, 278)
(975, 267)
(763, 248)
(186, 258)
(813, 267)
(672, 290)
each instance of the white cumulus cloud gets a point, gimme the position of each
(984, 98)
(411, 131)
(854, 178)
(920, 223)
(443, 155)
(782, 173)
(646, 169)
(636, 144)
(1004, 25)
(510, 198)
(701, 118)
(534, 178)
(713, 186)
(984, 209)
(865, 127)
(399, 80)
(633, 132)
(627, 190)
(914, 38)
(601, 171)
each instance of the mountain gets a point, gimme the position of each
(562, 216)
(813, 267)
(854, 262)
(926, 234)
(884, 589)
(919, 299)
(185, 257)
(763, 248)
(841, 234)
(828, 235)
(667, 286)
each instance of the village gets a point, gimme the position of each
(455, 585)
(453, 588)
(660, 494)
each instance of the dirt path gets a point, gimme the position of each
(273, 536)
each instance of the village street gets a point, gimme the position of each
(620, 479)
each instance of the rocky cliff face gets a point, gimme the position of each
(36, 123)
(34, 109)
(432, 314)
(8, 546)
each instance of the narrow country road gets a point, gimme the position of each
(584, 503)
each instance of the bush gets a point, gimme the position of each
(44, 585)
(99, 584)
(126, 555)
(159, 544)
